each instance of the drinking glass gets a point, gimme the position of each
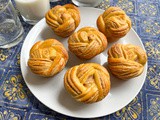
(11, 30)
(32, 11)
(87, 3)
(54, 0)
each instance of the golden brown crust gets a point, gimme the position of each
(87, 43)
(126, 61)
(63, 19)
(87, 83)
(47, 58)
(114, 23)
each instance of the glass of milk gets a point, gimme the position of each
(87, 3)
(32, 10)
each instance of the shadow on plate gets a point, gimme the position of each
(34, 79)
(115, 82)
(74, 60)
(47, 33)
(66, 100)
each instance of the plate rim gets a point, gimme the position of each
(21, 66)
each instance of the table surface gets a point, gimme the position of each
(18, 103)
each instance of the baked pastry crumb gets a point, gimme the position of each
(63, 19)
(126, 61)
(47, 57)
(87, 83)
(87, 42)
(114, 23)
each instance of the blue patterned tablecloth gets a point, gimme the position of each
(18, 103)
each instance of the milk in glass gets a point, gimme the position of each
(32, 10)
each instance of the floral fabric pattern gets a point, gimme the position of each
(18, 103)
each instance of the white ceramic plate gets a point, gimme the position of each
(51, 92)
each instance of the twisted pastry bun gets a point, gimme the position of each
(87, 83)
(114, 23)
(87, 43)
(47, 57)
(63, 19)
(126, 61)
